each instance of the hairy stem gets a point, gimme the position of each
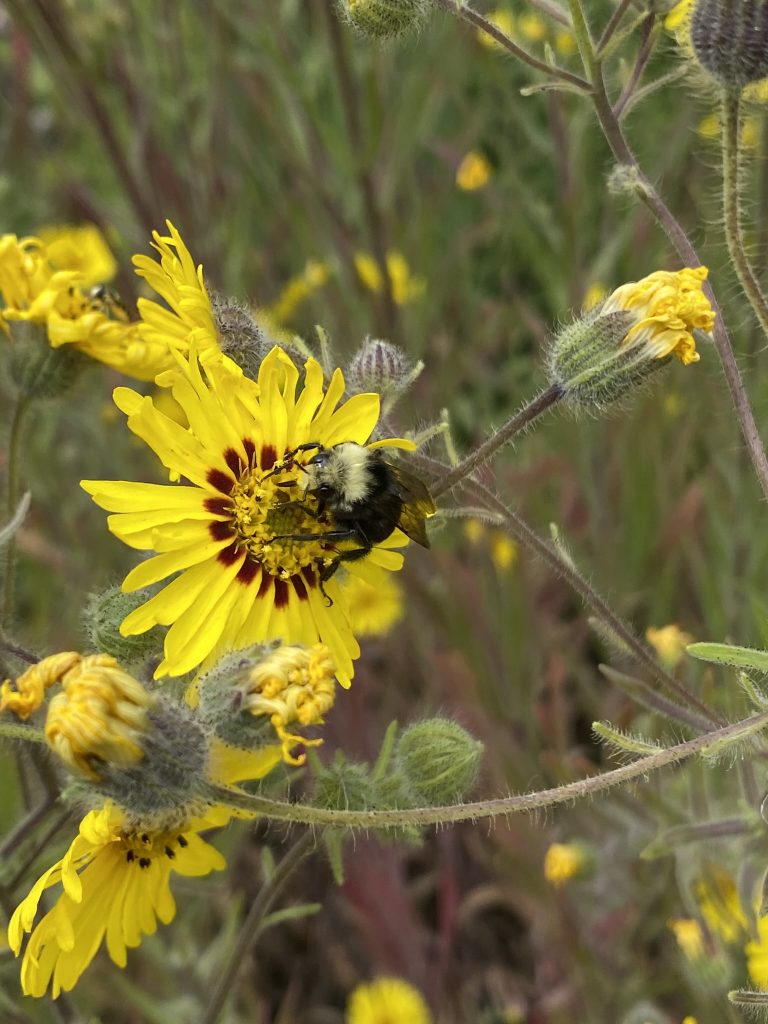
(491, 445)
(252, 924)
(732, 208)
(12, 499)
(501, 806)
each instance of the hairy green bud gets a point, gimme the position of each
(102, 617)
(345, 786)
(730, 39)
(439, 760)
(384, 19)
(384, 368)
(37, 369)
(240, 337)
(221, 700)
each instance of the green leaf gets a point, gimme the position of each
(725, 654)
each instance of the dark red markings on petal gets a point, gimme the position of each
(298, 586)
(218, 506)
(266, 583)
(220, 481)
(309, 576)
(232, 459)
(250, 449)
(248, 571)
(220, 531)
(228, 555)
(281, 593)
(268, 456)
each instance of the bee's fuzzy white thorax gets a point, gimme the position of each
(348, 472)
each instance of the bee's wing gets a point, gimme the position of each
(417, 504)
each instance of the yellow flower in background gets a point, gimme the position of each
(405, 287)
(667, 307)
(720, 906)
(532, 27)
(474, 172)
(678, 22)
(504, 21)
(82, 248)
(709, 128)
(565, 43)
(564, 862)
(297, 291)
(669, 642)
(387, 1001)
(230, 530)
(689, 935)
(594, 294)
(756, 951)
(474, 530)
(504, 551)
(376, 604)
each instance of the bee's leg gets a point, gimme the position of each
(288, 459)
(343, 556)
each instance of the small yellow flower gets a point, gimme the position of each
(405, 287)
(563, 862)
(689, 935)
(709, 128)
(673, 404)
(667, 307)
(27, 694)
(689, 1020)
(375, 603)
(756, 951)
(678, 22)
(669, 642)
(98, 717)
(720, 906)
(565, 43)
(504, 21)
(297, 291)
(387, 1001)
(292, 684)
(474, 172)
(82, 248)
(532, 27)
(474, 530)
(503, 550)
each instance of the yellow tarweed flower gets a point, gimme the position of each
(667, 306)
(82, 248)
(720, 906)
(230, 532)
(474, 172)
(669, 642)
(297, 291)
(504, 21)
(689, 935)
(564, 862)
(405, 287)
(99, 716)
(375, 603)
(387, 1001)
(27, 694)
(292, 684)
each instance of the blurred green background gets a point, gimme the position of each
(271, 136)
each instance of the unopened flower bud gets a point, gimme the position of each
(383, 368)
(439, 759)
(103, 615)
(240, 337)
(345, 786)
(617, 344)
(730, 39)
(37, 369)
(384, 19)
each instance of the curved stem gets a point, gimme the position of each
(253, 922)
(425, 816)
(12, 499)
(491, 445)
(732, 208)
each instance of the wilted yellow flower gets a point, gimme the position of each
(504, 21)
(82, 248)
(474, 172)
(563, 862)
(27, 694)
(720, 906)
(387, 1001)
(689, 935)
(405, 288)
(669, 642)
(375, 602)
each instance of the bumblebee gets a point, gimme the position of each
(363, 496)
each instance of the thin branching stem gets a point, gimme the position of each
(424, 817)
(253, 922)
(484, 452)
(732, 207)
(27, 825)
(612, 24)
(12, 499)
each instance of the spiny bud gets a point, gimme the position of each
(384, 19)
(381, 367)
(344, 786)
(613, 347)
(102, 617)
(730, 39)
(240, 337)
(37, 369)
(439, 759)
